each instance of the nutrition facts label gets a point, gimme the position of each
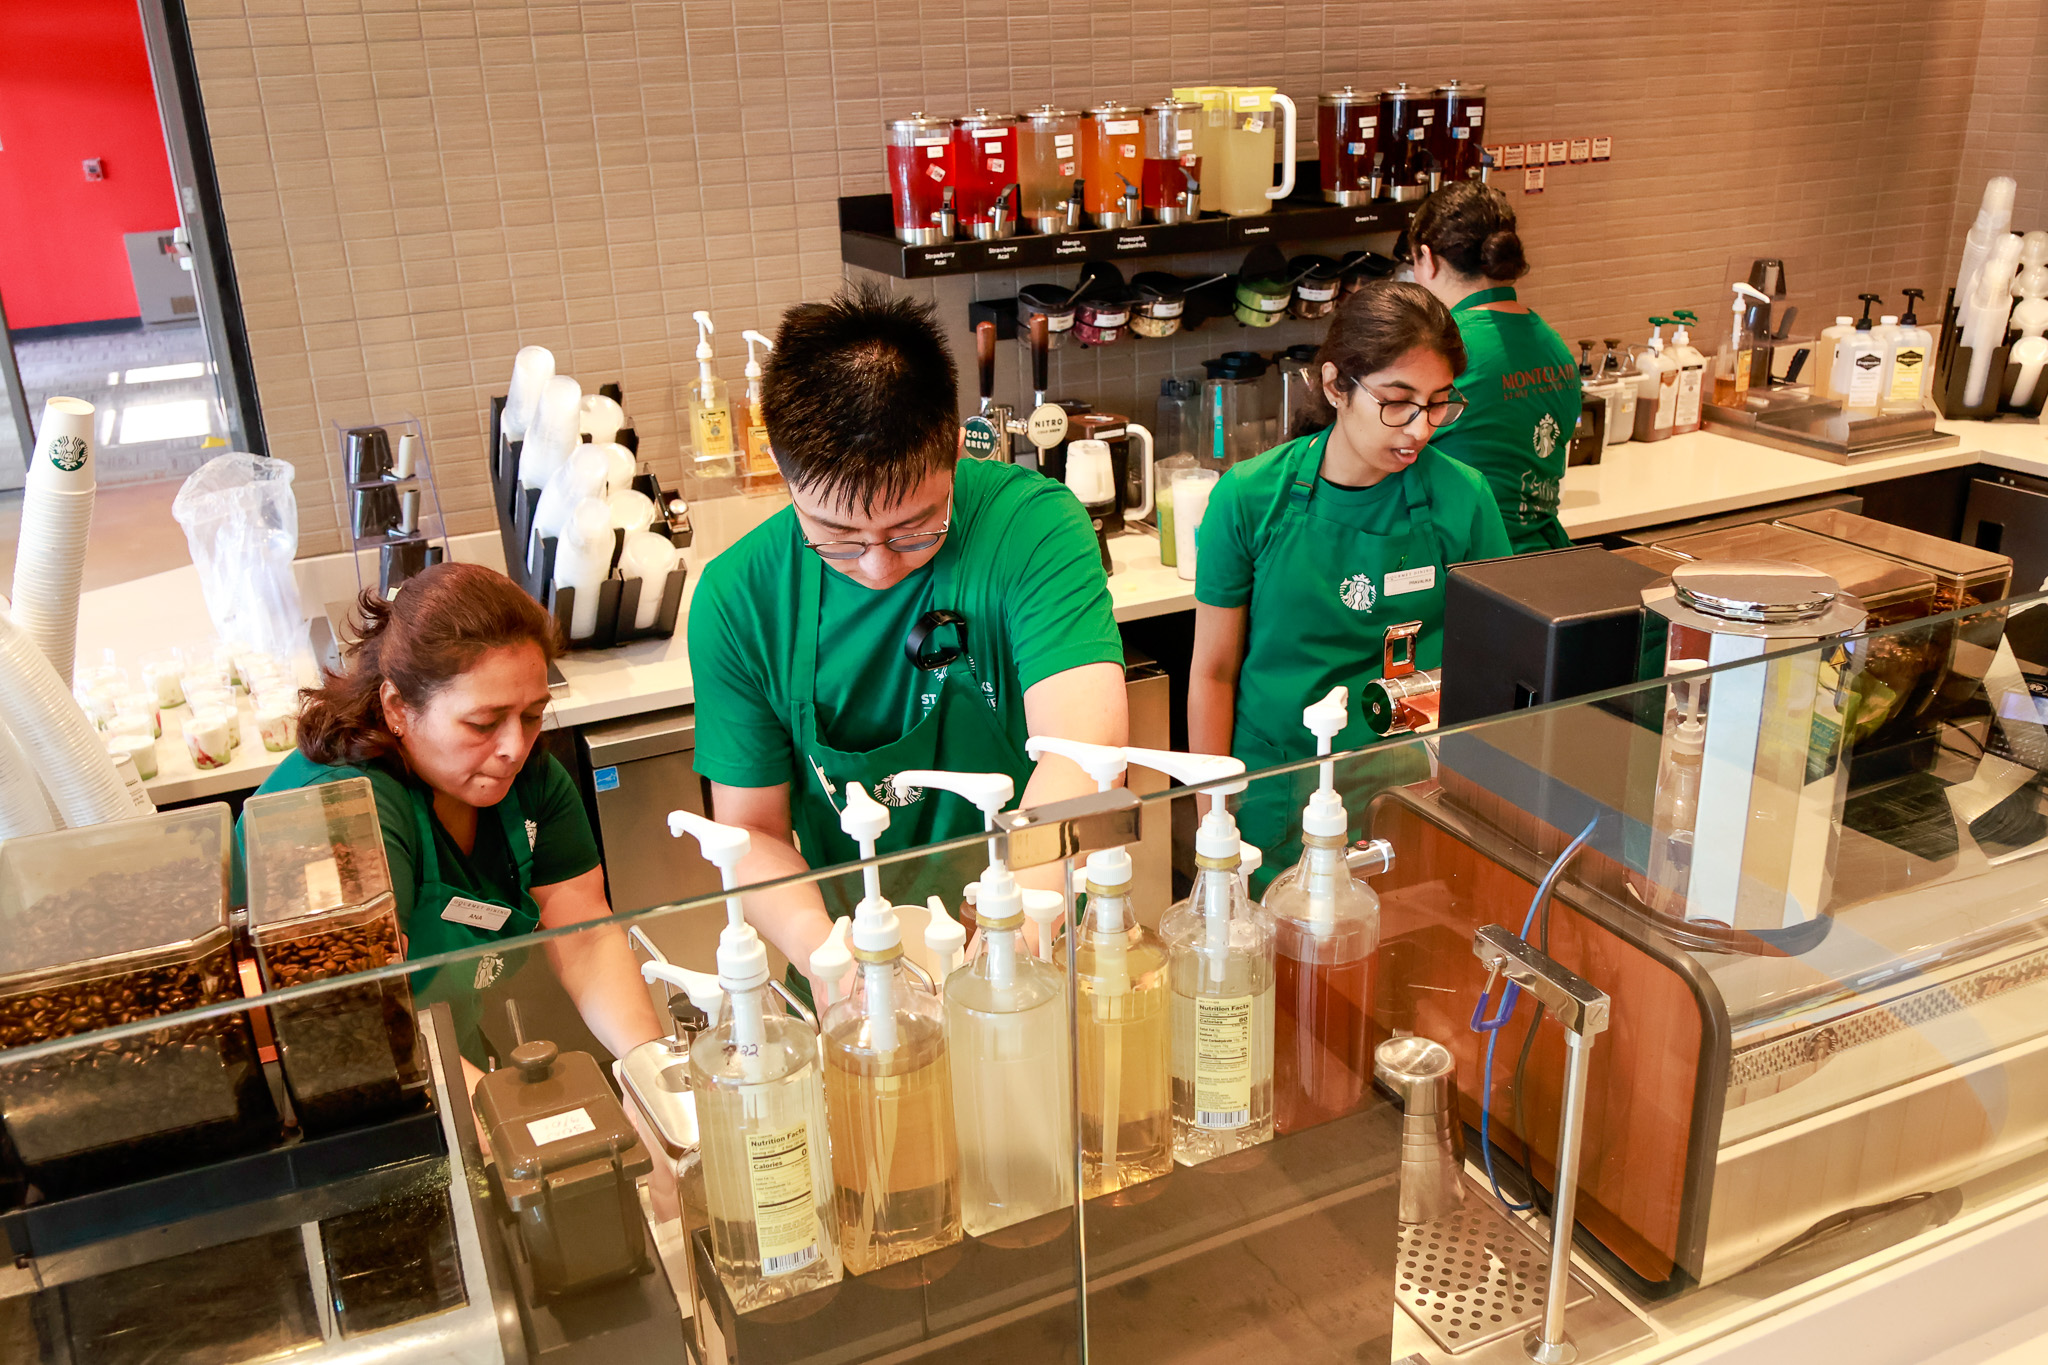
(785, 1210)
(1223, 1061)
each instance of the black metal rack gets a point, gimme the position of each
(867, 235)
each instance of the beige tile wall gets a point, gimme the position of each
(2008, 130)
(414, 188)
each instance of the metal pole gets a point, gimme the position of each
(1074, 1089)
(1548, 1345)
(17, 400)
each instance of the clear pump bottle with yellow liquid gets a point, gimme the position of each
(1219, 969)
(711, 429)
(760, 1098)
(888, 1086)
(1120, 977)
(753, 440)
(1327, 928)
(1007, 1031)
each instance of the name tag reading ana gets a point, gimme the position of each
(1411, 580)
(476, 914)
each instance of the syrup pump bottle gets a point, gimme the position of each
(1219, 968)
(1327, 924)
(1674, 816)
(753, 437)
(1120, 978)
(760, 1109)
(1006, 1028)
(888, 1085)
(710, 411)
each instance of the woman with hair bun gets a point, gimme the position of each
(1520, 381)
(439, 705)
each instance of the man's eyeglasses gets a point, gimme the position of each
(914, 543)
(1400, 412)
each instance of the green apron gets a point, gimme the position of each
(1535, 483)
(462, 984)
(1325, 581)
(1500, 293)
(958, 732)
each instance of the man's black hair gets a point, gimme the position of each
(860, 398)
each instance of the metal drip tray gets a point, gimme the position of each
(1475, 1275)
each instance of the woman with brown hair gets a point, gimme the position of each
(1520, 379)
(439, 706)
(1311, 551)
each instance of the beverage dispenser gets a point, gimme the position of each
(1213, 104)
(1406, 116)
(1348, 145)
(1457, 130)
(1048, 161)
(920, 157)
(985, 174)
(1171, 160)
(1112, 136)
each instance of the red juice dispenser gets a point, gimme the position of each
(1112, 136)
(1348, 145)
(985, 174)
(1406, 116)
(1171, 161)
(1457, 135)
(920, 155)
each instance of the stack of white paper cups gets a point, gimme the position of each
(56, 519)
(67, 752)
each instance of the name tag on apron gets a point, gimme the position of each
(476, 914)
(1411, 580)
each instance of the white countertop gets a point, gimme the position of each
(1634, 485)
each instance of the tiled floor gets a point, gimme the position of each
(154, 390)
(133, 534)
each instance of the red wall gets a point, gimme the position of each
(74, 84)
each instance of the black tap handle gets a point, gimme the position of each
(1041, 352)
(985, 357)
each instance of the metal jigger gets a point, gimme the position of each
(1424, 1077)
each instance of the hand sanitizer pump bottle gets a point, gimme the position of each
(888, 1086)
(760, 1111)
(1219, 968)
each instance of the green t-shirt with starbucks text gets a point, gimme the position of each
(1522, 385)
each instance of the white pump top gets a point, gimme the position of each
(989, 792)
(753, 339)
(1108, 867)
(1325, 719)
(706, 991)
(704, 334)
(830, 961)
(742, 959)
(1044, 909)
(875, 928)
(1102, 762)
(945, 938)
(1217, 836)
(1691, 735)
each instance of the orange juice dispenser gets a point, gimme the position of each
(920, 157)
(1348, 145)
(1406, 116)
(1243, 166)
(1112, 140)
(1048, 161)
(1171, 160)
(985, 174)
(1457, 130)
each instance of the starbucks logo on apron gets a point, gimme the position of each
(532, 835)
(1545, 438)
(885, 792)
(488, 969)
(1357, 592)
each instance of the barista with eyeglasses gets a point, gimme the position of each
(1311, 551)
(909, 609)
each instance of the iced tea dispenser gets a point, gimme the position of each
(1112, 138)
(1348, 145)
(1457, 130)
(985, 174)
(1406, 116)
(920, 157)
(1171, 160)
(1048, 161)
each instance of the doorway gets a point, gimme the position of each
(115, 282)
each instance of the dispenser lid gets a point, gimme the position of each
(1754, 590)
(985, 118)
(1174, 106)
(1114, 111)
(554, 1122)
(1045, 113)
(919, 121)
(1236, 365)
(1461, 89)
(1349, 95)
(1400, 90)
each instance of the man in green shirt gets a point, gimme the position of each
(908, 610)
(1520, 384)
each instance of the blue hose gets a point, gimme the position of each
(1508, 999)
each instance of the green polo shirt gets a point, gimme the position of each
(563, 846)
(1522, 385)
(1025, 572)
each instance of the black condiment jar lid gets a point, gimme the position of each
(1236, 365)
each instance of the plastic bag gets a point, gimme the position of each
(242, 523)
